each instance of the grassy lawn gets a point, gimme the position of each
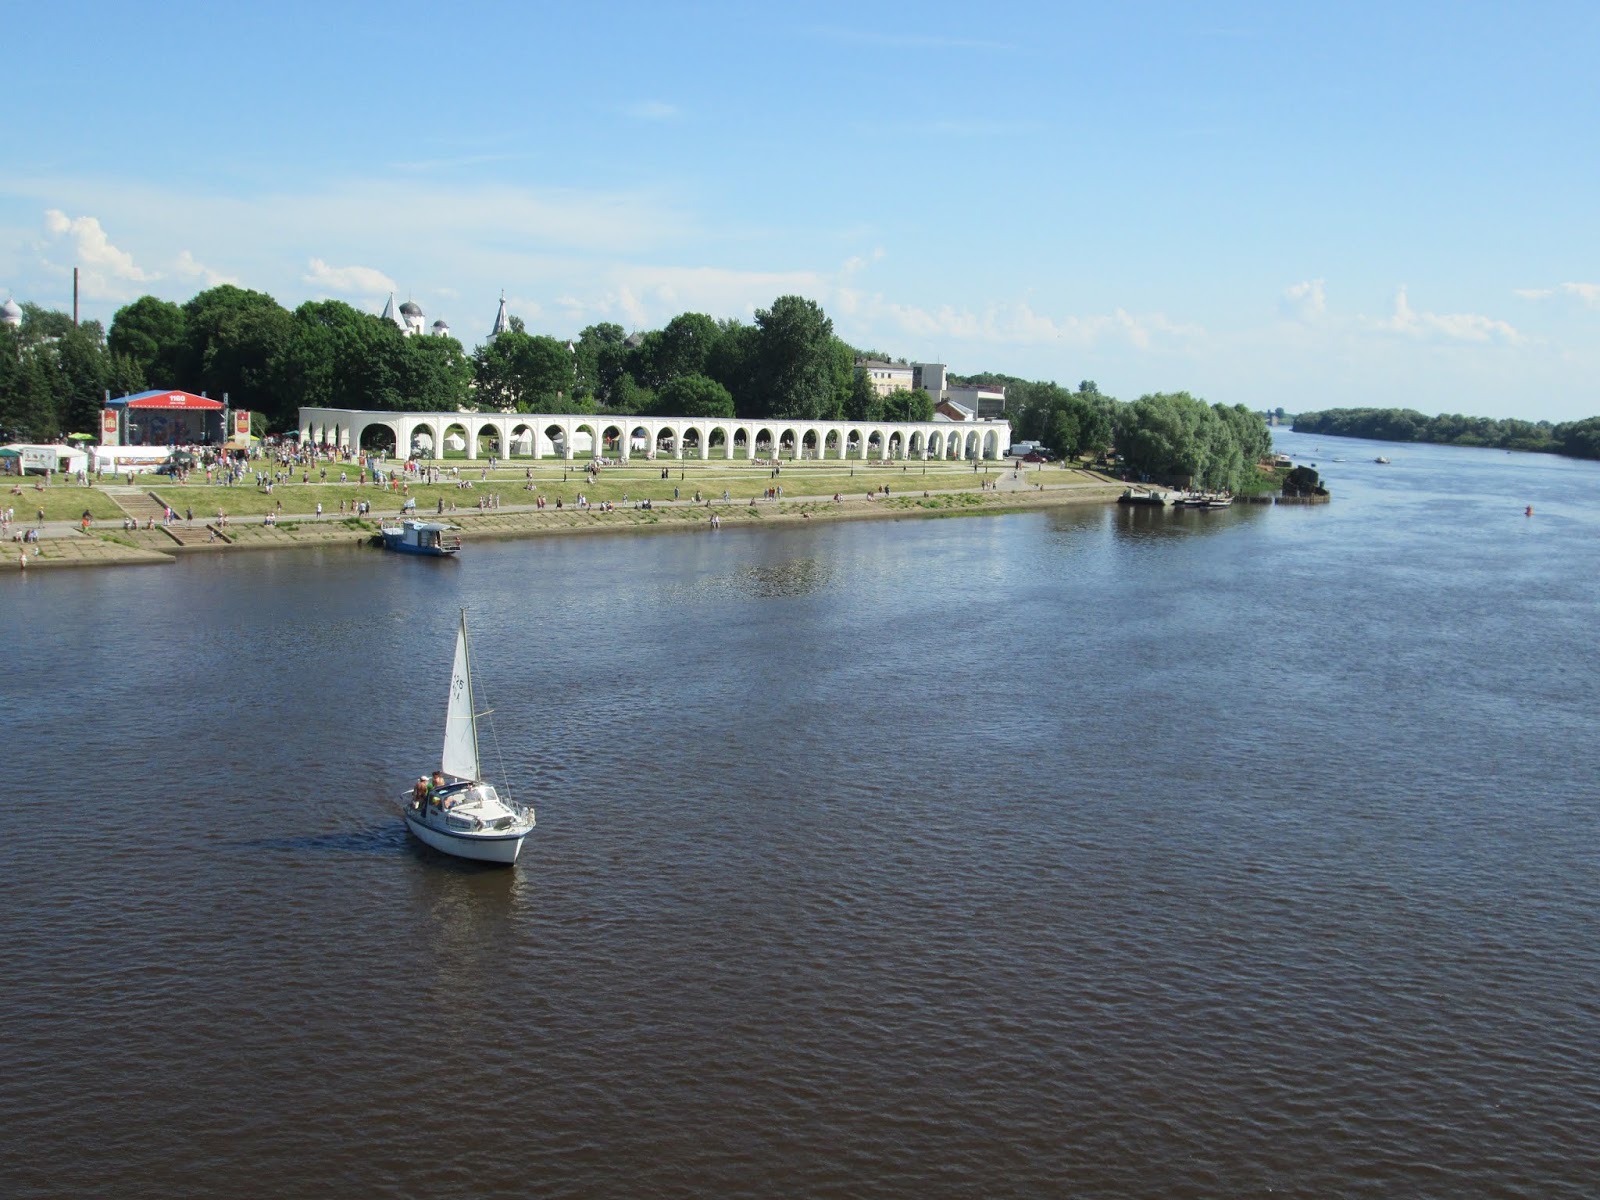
(553, 481)
(60, 501)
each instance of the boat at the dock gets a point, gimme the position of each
(411, 536)
(1152, 496)
(460, 813)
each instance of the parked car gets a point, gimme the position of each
(1038, 456)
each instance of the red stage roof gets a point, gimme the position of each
(182, 400)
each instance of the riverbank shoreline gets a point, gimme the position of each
(65, 545)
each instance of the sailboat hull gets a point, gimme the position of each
(480, 847)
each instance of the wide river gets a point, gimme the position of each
(1091, 853)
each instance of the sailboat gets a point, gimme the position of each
(460, 813)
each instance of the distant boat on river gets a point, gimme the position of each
(411, 536)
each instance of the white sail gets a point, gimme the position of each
(460, 729)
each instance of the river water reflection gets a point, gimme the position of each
(1101, 852)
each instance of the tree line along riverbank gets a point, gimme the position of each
(1573, 439)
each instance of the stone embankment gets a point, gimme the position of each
(64, 544)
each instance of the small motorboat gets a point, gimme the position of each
(1380, 459)
(411, 536)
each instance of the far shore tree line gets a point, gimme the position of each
(1576, 439)
(787, 363)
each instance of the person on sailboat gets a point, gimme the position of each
(419, 794)
(435, 788)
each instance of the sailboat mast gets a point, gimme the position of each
(472, 699)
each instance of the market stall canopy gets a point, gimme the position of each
(169, 400)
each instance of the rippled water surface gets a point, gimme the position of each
(1096, 853)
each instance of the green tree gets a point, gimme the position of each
(733, 364)
(152, 333)
(685, 347)
(525, 373)
(600, 357)
(862, 402)
(234, 341)
(40, 323)
(434, 374)
(913, 405)
(1096, 415)
(694, 396)
(82, 377)
(1175, 436)
(27, 387)
(794, 360)
(1066, 433)
(643, 358)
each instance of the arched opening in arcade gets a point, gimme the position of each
(691, 441)
(585, 441)
(520, 443)
(830, 444)
(422, 442)
(378, 439)
(455, 441)
(787, 441)
(991, 445)
(741, 443)
(896, 445)
(667, 441)
(489, 441)
(808, 444)
(763, 446)
(717, 439)
(854, 446)
(916, 444)
(611, 440)
(875, 444)
(972, 446)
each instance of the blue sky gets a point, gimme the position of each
(1312, 206)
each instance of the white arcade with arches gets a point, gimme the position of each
(574, 436)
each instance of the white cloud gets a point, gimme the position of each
(1016, 323)
(189, 267)
(859, 262)
(1455, 327)
(1589, 293)
(1306, 301)
(347, 280)
(651, 110)
(104, 270)
(649, 296)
